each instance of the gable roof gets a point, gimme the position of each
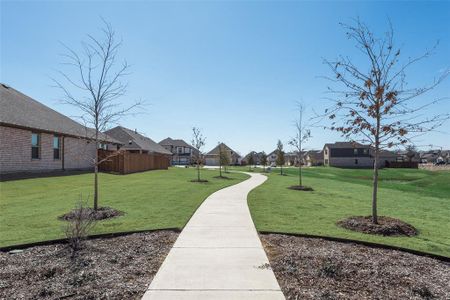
(174, 142)
(215, 150)
(19, 110)
(132, 140)
(315, 154)
(344, 145)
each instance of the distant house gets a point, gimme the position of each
(290, 158)
(256, 157)
(272, 158)
(36, 138)
(435, 156)
(138, 153)
(314, 158)
(182, 152)
(408, 156)
(135, 142)
(354, 155)
(212, 157)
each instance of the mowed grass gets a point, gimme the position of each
(151, 200)
(419, 197)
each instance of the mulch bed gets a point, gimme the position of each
(386, 226)
(301, 188)
(101, 213)
(222, 177)
(200, 181)
(308, 268)
(106, 268)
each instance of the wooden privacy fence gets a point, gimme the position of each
(125, 162)
(402, 164)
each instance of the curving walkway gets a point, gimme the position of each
(218, 255)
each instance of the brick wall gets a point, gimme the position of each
(15, 152)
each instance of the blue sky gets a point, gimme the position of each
(234, 69)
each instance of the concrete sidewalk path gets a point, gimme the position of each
(218, 255)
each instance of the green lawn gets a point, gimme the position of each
(421, 198)
(151, 200)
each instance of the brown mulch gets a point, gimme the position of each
(222, 177)
(106, 268)
(301, 188)
(386, 226)
(101, 213)
(200, 181)
(308, 268)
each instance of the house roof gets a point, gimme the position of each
(315, 154)
(19, 110)
(174, 142)
(132, 140)
(344, 145)
(215, 150)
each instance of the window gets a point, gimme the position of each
(355, 151)
(356, 161)
(326, 151)
(366, 151)
(35, 145)
(180, 150)
(56, 147)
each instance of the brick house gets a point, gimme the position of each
(36, 138)
(212, 157)
(135, 142)
(354, 155)
(182, 152)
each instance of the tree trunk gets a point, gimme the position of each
(96, 176)
(198, 170)
(300, 174)
(375, 189)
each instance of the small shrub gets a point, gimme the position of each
(331, 270)
(424, 292)
(79, 226)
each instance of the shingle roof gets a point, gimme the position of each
(174, 142)
(345, 145)
(135, 141)
(19, 110)
(215, 150)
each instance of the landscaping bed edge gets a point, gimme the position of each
(365, 243)
(93, 236)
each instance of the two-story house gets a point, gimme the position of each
(354, 155)
(212, 157)
(182, 152)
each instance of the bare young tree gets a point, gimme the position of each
(198, 142)
(224, 158)
(280, 161)
(263, 160)
(95, 87)
(411, 152)
(303, 133)
(373, 103)
(251, 160)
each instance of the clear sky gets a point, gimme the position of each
(234, 69)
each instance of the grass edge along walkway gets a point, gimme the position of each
(275, 208)
(157, 199)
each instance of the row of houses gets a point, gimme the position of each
(36, 138)
(338, 154)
